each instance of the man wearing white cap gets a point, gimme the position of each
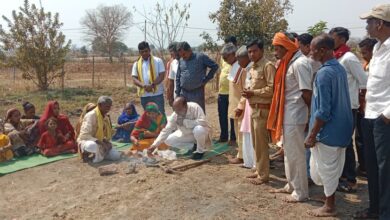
(377, 116)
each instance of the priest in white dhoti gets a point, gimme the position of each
(186, 125)
(331, 124)
(95, 133)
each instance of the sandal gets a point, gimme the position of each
(365, 214)
(345, 187)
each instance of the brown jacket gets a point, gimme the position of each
(262, 76)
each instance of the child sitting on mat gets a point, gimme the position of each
(53, 143)
(5, 145)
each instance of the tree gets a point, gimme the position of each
(317, 29)
(165, 24)
(249, 19)
(209, 44)
(84, 51)
(36, 44)
(108, 24)
(118, 47)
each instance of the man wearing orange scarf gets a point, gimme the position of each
(259, 95)
(290, 112)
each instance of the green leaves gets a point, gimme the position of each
(37, 46)
(317, 29)
(249, 19)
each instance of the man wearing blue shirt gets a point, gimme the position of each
(330, 124)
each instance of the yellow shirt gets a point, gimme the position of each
(7, 155)
(223, 78)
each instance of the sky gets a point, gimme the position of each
(305, 13)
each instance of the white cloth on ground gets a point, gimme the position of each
(326, 166)
(295, 161)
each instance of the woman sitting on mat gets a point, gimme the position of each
(64, 127)
(20, 133)
(148, 127)
(126, 122)
(53, 143)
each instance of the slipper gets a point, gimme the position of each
(345, 187)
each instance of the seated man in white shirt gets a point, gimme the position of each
(96, 131)
(186, 125)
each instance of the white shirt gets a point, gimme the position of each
(174, 65)
(159, 69)
(357, 78)
(299, 77)
(378, 85)
(194, 117)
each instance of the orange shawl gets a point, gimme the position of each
(275, 118)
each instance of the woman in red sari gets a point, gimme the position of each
(53, 143)
(64, 127)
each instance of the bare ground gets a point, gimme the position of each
(70, 189)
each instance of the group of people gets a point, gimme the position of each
(310, 103)
(316, 96)
(23, 135)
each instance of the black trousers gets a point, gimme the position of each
(223, 106)
(377, 154)
(359, 141)
(349, 171)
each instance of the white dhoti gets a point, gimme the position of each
(93, 147)
(199, 135)
(248, 152)
(326, 166)
(295, 161)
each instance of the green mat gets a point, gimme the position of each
(22, 163)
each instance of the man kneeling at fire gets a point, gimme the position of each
(186, 125)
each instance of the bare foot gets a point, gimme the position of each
(281, 190)
(236, 160)
(252, 176)
(290, 199)
(318, 198)
(257, 181)
(323, 211)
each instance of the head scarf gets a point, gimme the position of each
(63, 122)
(275, 118)
(124, 117)
(146, 124)
(152, 107)
(87, 108)
(10, 112)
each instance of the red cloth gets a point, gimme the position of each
(52, 146)
(339, 52)
(63, 123)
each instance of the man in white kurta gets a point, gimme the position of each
(187, 125)
(296, 114)
(88, 138)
